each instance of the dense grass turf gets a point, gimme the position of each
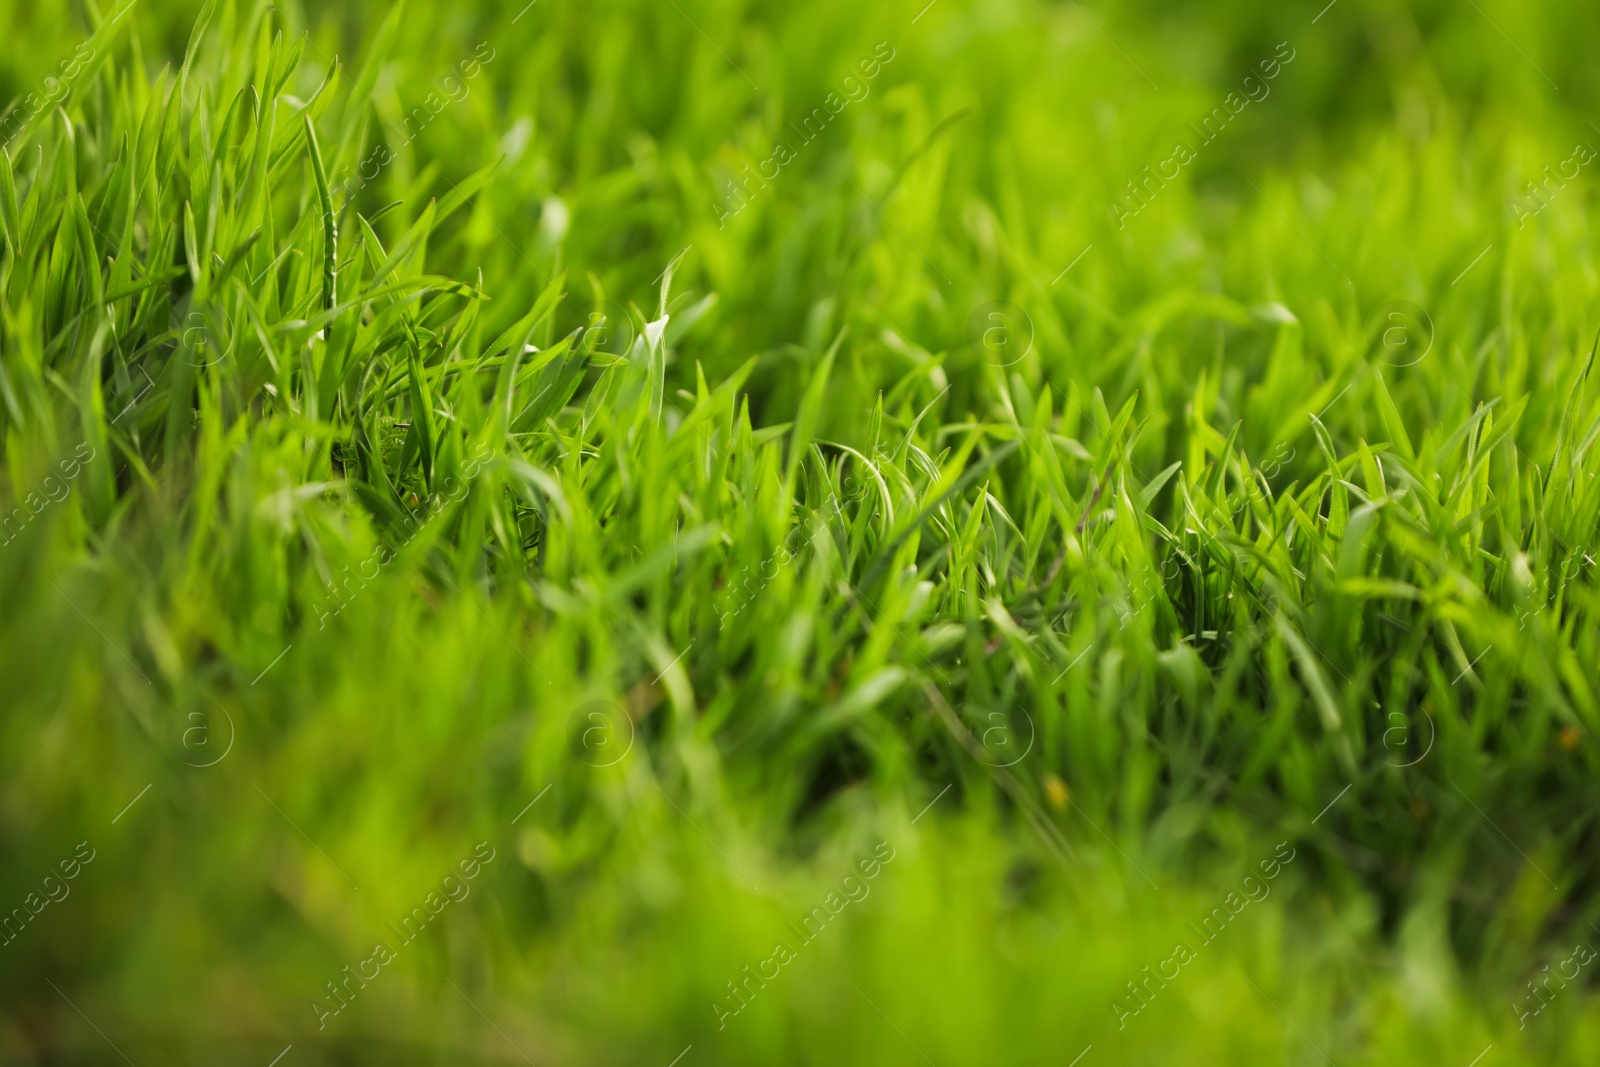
(977, 533)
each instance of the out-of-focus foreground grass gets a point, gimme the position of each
(510, 512)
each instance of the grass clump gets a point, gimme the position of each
(415, 465)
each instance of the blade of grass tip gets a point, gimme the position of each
(654, 339)
(666, 281)
(463, 189)
(1217, 482)
(149, 127)
(91, 409)
(285, 58)
(166, 156)
(330, 222)
(805, 421)
(422, 419)
(405, 246)
(1148, 493)
(943, 127)
(10, 214)
(1393, 424)
(898, 457)
(1564, 428)
(1114, 448)
(200, 23)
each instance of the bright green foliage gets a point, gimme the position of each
(410, 442)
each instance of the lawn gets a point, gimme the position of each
(712, 533)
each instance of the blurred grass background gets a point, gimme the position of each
(1195, 680)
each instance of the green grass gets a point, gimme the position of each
(415, 449)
